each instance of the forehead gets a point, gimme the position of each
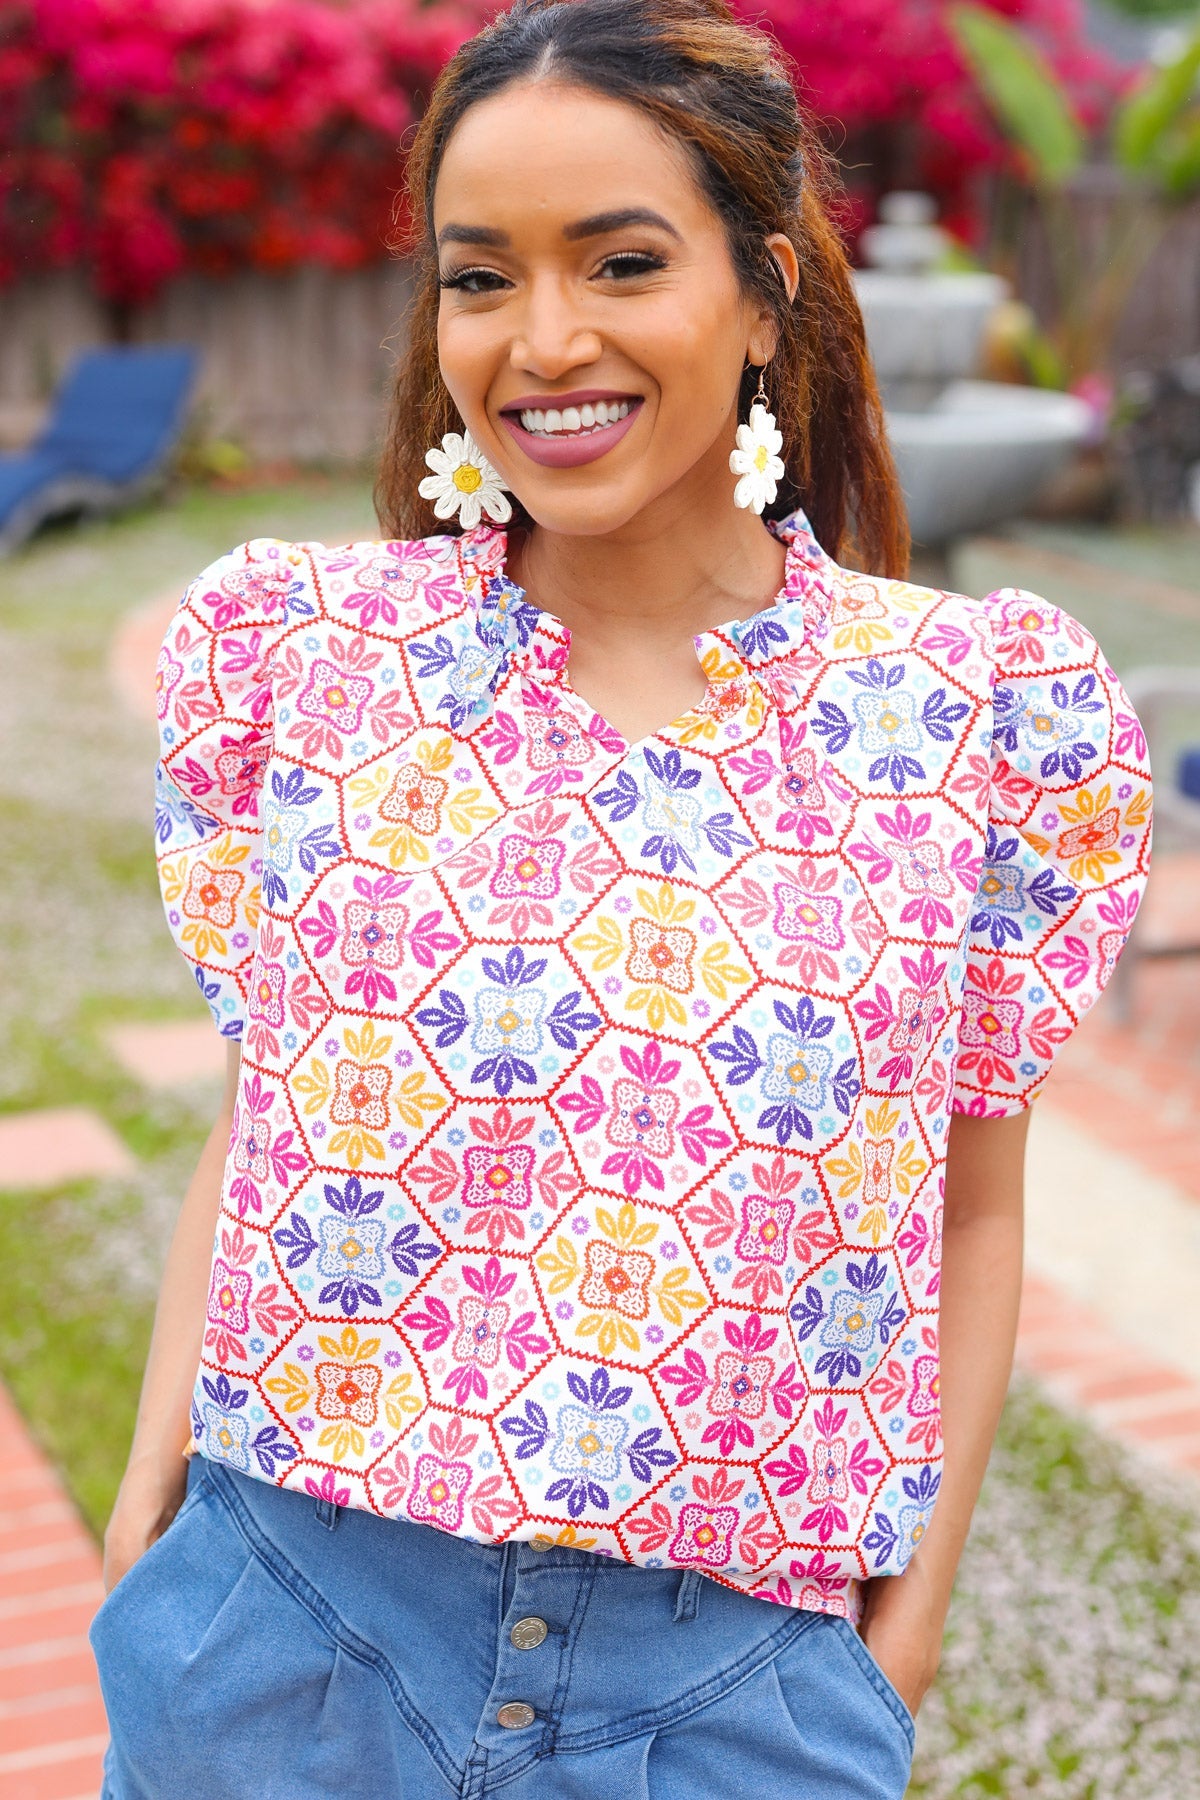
(540, 154)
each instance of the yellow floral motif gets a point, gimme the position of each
(869, 1173)
(567, 1537)
(293, 1387)
(659, 950)
(617, 1280)
(412, 820)
(398, 1403)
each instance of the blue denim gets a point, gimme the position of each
(275, 1647)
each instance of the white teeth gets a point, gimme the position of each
(573, 419)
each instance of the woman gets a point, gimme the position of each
(605, 975)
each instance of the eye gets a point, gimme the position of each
(626, 264)
(473, 281)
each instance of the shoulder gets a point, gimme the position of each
(390, 584)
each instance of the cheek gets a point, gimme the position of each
(467, 356)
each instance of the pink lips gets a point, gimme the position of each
(569, 452)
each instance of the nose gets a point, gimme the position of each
(553, 334)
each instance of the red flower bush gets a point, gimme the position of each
(142, 141)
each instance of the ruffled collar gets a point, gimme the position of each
(767, 644)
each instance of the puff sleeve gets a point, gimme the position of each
(1066, 857)
(216, 715)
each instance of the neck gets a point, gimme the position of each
(681, 566)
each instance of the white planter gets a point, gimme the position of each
(981, 454)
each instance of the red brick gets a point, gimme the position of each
(1166, 1425)
(1137, 1384)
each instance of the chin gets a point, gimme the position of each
(598, 513)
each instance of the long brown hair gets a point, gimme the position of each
(723, 90)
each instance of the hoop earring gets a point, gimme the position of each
(464, 482)
(756, 460)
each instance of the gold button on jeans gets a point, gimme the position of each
(527, 1634)
(515, 1715)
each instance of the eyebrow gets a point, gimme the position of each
(485, 237)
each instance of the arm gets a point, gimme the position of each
(152, 1489)
(981, 1290)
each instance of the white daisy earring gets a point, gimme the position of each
(756, 461)
(464, 482)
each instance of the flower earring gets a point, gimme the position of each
(464, 482)
(756, 460)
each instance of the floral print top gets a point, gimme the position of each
(586, 1173)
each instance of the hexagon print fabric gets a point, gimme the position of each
(586, 1172)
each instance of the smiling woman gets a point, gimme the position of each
(646, 936)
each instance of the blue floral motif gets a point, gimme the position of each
(285, 839)
(176, 816)
(856, 1313)
(763, 636)
(226, 1429)
(796, 1070)
(672, 811)
(889, 729)
(509, 1022)
(590, 1439)
(1003, 898)
(1055, 732)
(350, 1246)
(913, 1521)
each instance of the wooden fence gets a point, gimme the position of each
(293, 366)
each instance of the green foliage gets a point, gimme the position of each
(1023, 91)
(1157, 130)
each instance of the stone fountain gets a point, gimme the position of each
(970, 453)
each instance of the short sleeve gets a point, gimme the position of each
(216, 717)
(1067, 851)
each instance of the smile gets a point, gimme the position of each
(581, 428)
(571, 419)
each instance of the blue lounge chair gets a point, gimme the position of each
(115, 421)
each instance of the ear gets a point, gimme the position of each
(763, 338)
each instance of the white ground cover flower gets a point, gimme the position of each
(756, 460)
(1072, 1661)
(463, 482)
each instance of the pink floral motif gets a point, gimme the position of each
(924, 1397)
(481, 1326)
(167, 675)
(227, 1297)
(334, 697)
(557, 741)
(439, 1492)
(498, 1175)
(641, 1117)
(766, 1221)
(527, 868)
(704, 1536)
(265, 996)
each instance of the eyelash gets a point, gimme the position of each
(634, 263)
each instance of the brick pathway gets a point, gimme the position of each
(52, 1725)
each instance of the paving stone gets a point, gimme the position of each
(52, 1725)
(169, 1053)
(56, 1145)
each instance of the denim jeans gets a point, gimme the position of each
(271, 1646)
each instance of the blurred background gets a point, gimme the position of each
(201, 299)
